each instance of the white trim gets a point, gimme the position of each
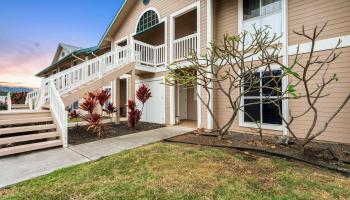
(148, 9)
(285, 62)
(189, 8)
(263, 126)
(121, 40)
(240, 16)
(172, 103)
(210, 38)
(321, 45)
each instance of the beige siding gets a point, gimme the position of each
(226, 20)
(316, 13)
(339, 128)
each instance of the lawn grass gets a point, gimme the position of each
(174, 171)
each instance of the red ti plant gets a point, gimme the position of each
(134, 114)
(95, 123)
(88, 104)
(110, 109)
(143, 94)
(102, 96)
(74, 115)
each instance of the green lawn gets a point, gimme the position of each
(171, 171)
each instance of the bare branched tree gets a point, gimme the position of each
(243, 65)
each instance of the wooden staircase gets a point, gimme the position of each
(24, 130)
(19, 107)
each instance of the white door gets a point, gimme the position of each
(183, 102)
(154, 109)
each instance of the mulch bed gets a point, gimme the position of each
(80, 134)
(332, 156)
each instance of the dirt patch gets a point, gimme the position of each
(332, 156)
(80, 135)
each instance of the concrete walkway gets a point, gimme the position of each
(19, 168)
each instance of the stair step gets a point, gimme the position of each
(22, 129)
(23, 138)
(25, 121)
(29, 147)
(23, 114)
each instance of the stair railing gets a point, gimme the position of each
(59, 112)
(9, 102)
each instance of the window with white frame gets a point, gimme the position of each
(260, 13)
(257, 102)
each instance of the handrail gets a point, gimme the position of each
(59, 113)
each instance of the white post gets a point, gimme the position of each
(9, 102)
(172, 103)
(210, 120)
(285, 62)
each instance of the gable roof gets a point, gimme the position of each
(67, 47)
(73, 53)
(118, 14)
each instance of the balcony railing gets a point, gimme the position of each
(149, 55)
(184, 47)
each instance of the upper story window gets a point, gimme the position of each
(147, 20)
(62, 54)
(262, 13)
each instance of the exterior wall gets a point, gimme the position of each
(312, 13)
(338, 131)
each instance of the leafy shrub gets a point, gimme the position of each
(134, 114)
(74, 115)
(93, 103)
(18, 98)
(143, 94)
(3, 105)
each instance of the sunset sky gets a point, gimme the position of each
(30, 31)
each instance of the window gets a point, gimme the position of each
(147, 21)
(62, 54)
(260, 13)
(257, 102)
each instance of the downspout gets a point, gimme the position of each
(77, 57)
(210, 38)
(285, 106)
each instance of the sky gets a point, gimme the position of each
(30, 31)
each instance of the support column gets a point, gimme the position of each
(132, 85)
(172, 103)
(116, 99)
(210, 121)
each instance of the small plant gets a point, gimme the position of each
(74, 115)
(143, 94)
(134, 114)
(110, 109)
(95, 123)
(93, 103)
(3, 105)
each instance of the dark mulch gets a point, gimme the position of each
(81, 135)
(332, 156)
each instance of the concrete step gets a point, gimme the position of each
(25, 121)
(21, 129)
(31, 137)
(29, 147)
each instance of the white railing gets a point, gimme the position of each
(184, 47)
(6, 99)
(149, 55)
(60, 114)
(31, 96)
